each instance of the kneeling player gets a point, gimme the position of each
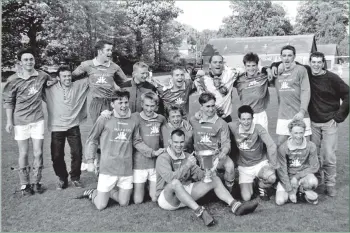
(257, 154)
(297, 164)
(117, 136)
(179, 182)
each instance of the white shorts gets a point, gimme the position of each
(261, 119)
(282, 127)
(141, 176)
(31, 130)
(164, 204)
(248, 174)
(106, 182)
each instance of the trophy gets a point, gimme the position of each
(206, 158)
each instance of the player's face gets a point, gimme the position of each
(178, 78)
(246, 121)
(251, 68)
(141, 74)
(208, 108)
(175, 118)
(287, 58)
(316, 65)
(27, 61)
(217, 65)
(297, 134)
(121, 106)
(149, 106)
(177, 143)
(65, 78)
(106, 52)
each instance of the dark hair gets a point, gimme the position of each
(174, 108)
(177, 132)
(101, 44)
(288, 47)
(177, 68)
(120, 94)
(63, 68)
(245, 109)
(251, 57)
(151, 96)
(294, 123)
(211, 57)
(206, 97)
(25, 50)
(318, 54)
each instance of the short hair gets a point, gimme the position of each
(151, 96)
(63, 68)
(177, 132)
(206, 97)
(294, 123)
(117, 95)
(101, 44)
(251, 57)
(318, 54)
(211, 57)
(174, 108)
(138, 65)
(177, 68)
(288, 47)
(245, 109)
(25, 50)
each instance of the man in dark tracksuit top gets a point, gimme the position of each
(117, 136)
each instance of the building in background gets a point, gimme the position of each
(331, 53)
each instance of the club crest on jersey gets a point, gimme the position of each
(253, 83)
(101, 80)
(243, 145)
(295, 163)
(285, 85)
(32, 91)
(179, 101)
(205, 139)
(121, 136)
(154, 130)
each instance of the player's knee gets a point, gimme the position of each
(124, 202)
(281, 198)
(175, 183)
(246, 196)
(310, 183)
(229, 166)
(101, 205)
(138, 199)
(270, 180)
(37, 153)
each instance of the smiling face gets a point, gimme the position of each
(149, 107)
(105, 54)
(246, 120)
(251, 68)
(121, 106)
(216, 65)
(287, 58)
(175, 118)
(140, 74)
(177, 143)
(297, 134)
(27, 61)
(209, 108)
(65, 78)
(316, 65)
(178, 78)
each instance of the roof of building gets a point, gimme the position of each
(328, 49)
(259, 45)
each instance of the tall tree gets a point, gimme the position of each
(255, 18)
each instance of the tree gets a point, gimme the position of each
(255, 18)
(328, 20)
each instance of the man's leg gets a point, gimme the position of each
(246, 191)
(38, 164)
(122, 196)
(282, 131)
(267, 177)
(74, 141)
(58, 140)
(316, 138)
(140, 178)
(307, 185)
(281, 139)
(152, 181)
(281, 195)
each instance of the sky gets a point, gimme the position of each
(200, 15)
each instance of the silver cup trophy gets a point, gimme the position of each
(206, 158)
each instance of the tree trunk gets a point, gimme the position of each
(139, 46)
(160, 44)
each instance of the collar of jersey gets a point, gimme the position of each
(291, 146)
(211, 120)
(97, 63)
(143, 115)
(173, 156)
(121, 117)
(251, 130)
(36, 73)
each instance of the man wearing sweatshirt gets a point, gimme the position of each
(257, 154)
(179, 182)
(144, 167)
(298, 162)
(117, 136)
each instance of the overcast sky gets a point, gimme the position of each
(209, 14)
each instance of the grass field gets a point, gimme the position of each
(58, 211)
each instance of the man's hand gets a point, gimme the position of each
(294, 182)
(116, 87)
(51, 82)
(191, 160)
(269, 74)
(9, 127)
(292, 197)
(91, 167)
(158, 152)
(198, 115)
(299, 116)
(106, 114)
(274, 71)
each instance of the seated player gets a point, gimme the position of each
(297, 164)
(176, 121)
(257, 154)
(117, 136)
(179, 182)
(210, 132)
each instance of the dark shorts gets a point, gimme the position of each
(97, 106)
